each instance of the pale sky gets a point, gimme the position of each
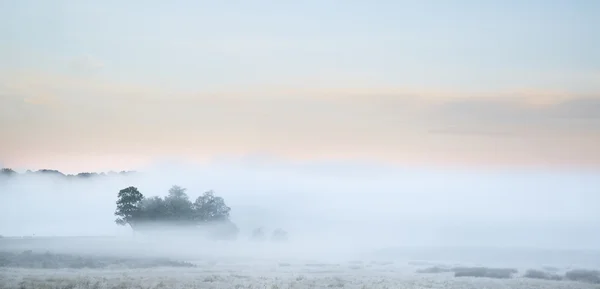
(88, 85)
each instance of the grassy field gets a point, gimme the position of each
(42, 263)
(266, 275)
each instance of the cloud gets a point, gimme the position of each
(518, 113)
(497, 111)
(450, 130)
(579, 108)
(39, 100)
(85, 64)
(389, 124)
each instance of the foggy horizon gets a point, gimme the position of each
(379, 204)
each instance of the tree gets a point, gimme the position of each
(7, 172)
(154, 209)
(50, 172)
(86, 175)
(279, 235)
(129, 206)
(179, 206)
(208, 208)
(177, 192)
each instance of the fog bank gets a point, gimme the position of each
(363, 204)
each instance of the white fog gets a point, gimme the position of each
(364, 203)
(350, 225)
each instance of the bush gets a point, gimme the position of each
(588, 276)
(258, 235)
(279, 235)
(433, 270)
(220, 230)
(537, 274)
(498, 273)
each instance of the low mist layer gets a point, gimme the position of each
(347, 205)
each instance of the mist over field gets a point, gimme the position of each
(348, 223)
(362, 204)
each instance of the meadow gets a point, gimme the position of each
(125, 263)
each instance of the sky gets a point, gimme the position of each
(100, 85)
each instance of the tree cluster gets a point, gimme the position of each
(176, 210)
(8, 172)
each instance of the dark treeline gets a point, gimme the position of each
(7, 172)
(208, 214)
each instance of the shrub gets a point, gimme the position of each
(279, 235)
(537, 274)
(258, 234)
(589, 276)
(498, 273)
(433, 270)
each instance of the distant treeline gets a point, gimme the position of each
(46, 172)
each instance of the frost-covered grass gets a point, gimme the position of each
(262, 274)
(434, 270)
(150, 263)
(199, 278)
(539, 274)
(498, 273)
(579, 275)
(29, 259)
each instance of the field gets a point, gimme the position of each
(115, 263)
(267, 275)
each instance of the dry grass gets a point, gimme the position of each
(29, 259)
(23, 271)
(259, 275)
(498, 273)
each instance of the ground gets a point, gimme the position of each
(259, 276)
(41, 269)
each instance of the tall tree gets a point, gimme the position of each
(209, 207)
(154, 209)
(179, 205)
(177, 192)
(129, 206)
